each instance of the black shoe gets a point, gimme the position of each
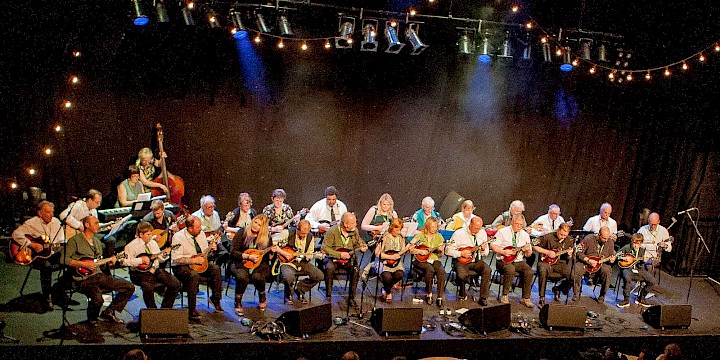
(601, 299)
(556, 293)
(439, 302)
(194, 315)
(541, 303)
(216, 304)
(289, 301)
(482, 302)
(110, 317)
(301, 297)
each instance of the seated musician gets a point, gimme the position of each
(148, 168)
(77, 211)
(634, 254)
(81, 252)
(160, 218)
(209, 217)
(426, 211)
(192, 241)
(44, 228)
(514, 241)
(341, 242)
(280, 216)
(549, 222)
(549, 246)
(390, 252)
(248, 266)
(302, 241)
(594, 223)
(467, 246)
(428, 243)
(656, 239)
(505, 219)
(326, 212)
(597, 252)
(242, 215)
(130, 188)
(145, 270)
(462, 219)
(378, 217)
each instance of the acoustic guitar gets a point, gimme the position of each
(151, 258)
(201, 268)
(24, 255)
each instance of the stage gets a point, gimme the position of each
(220, 335)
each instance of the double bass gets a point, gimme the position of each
(173, 182)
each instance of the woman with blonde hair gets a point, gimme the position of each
(378, 217)
(255, 237)
(428, 246)
(462, 219)
(147, 163)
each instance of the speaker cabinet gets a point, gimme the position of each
(668, 316)
(311, 320)
(450, 205)
(563, 316)
(163, 323)
(487, 319)
(397, 320)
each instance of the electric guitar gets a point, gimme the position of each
(24, 254)
(84, 269)
(161, 236)
(151, 258)
(201, 268)
(600, 261)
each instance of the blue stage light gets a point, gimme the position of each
(141, 21)
(566, 67)
(484, 58)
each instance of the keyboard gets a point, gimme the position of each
(106, 215)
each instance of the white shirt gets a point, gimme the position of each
(651, 239)
(463, 238)
(137, 247)
(36, 227)
(321, 211)
(504, 238)
(547, 223)
(595, 223)
(76, 215)
(187, 245)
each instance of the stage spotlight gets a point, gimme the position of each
(547, 52)
(344, 39)
(485, 50)
(566, 66)
(13, 185)
(240, 30)
(585, 48)
(527, 49)
(47, 151)
(187, 15)
(464, 44)
(213, 19)
(140, 18)
(602, 52)
(260, 22)
(369, 32)
(506, 50)
(161, 11)
(414, 39)
(394, 44)
(284, 26)
(32, 171)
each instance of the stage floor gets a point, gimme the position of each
(623, 329)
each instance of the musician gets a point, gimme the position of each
(596, 245)
(596, 222)
(344, 235)
(549, 222)
(426, 211)
(279, 215)
(303, 242)
(519, 242)
(85, 245)
(147, 165)
(256, 237)
(505, 219)
(47, 227)
(160, 218)
(130, 188)
(462, 219)
(655, 237)
(378, 216)
(192, 241)
(326, 212)
(549, 245)
(433, 267)
(208, 216)
(460, 247)
(632, 252)
(152, 275)
(242, 215)
(391, 248)
(77, 211)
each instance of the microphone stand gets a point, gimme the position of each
(378, 278)
(701, 240)
(353, 266)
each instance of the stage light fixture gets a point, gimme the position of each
(13, 185)
(32, 171)
(602, 52)
(414, 39)
(464, 44)
(74, 80)
(240, 30)
(344, 38)
(47, 151)
(701, 58)
(394, 44)
(547, 53)
(566, 65)
(304, 46)
(213, 19)
(187, 15)
(328, 45)
(585, 48)
(284, 25)
(58, 128)
(67, 104)
(140, 18)
(161, 11)
(369, 32)
(260, 22)
(485, 50)
(506, 49)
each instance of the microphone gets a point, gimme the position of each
(684, 211)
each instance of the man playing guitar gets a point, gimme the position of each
(466, 246)
(341, 242)
(86, 245)
(510, 242)
(193, 242)
(655, 239)
(145, 270)
(47, 228)
(303, 243)
(631, 261)
(327, 211)
(595, 248)
(549, 246)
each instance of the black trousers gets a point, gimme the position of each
(545, 269)
(94, 286)
(463, 273)
(243, 277)
(509, 269)
(148, 281)
(191, 281)
(331, 268)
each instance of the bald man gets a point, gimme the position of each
(344, 235)
(594, 245)
(655, 237)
